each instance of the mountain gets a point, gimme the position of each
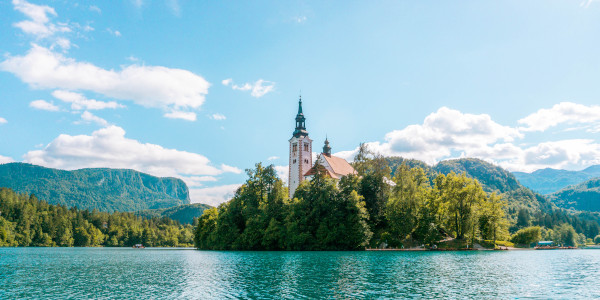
(102, 189)
(584, 196)
(496, 179)
(185, 214)
(492, 179)
(547, 181)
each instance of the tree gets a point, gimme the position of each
(527, 236)
(407, 201)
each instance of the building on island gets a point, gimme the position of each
(301, 165)
(335, 167)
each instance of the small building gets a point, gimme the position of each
(545, 243)
(335, 167)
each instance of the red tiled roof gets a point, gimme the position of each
(313, 171)
(339, 165)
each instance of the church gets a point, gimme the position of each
(301, 165)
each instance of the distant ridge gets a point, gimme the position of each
(584, 196)
(547, 181)
(184, 214)
(102, 189)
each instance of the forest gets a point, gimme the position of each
(417, 206)
(28, 221)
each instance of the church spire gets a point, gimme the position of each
(300, 122)
(326, 148)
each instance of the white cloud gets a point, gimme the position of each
(195, 181)
(114, 32)
(88, 117)
(283, 172)
(5, 159)
(43, 105)
(183, 115)
(443, 133)
(38, 24)
(257, 89)
(564, 112)
(3, 120)
(230, 169)
(449, 134)
(273, 157)
(213, 195)
(149, 86)
(79, 102)
(95, 8)
(65, 44)
(109, 148)
(218, 117)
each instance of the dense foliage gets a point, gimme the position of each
(260, 217)
(392, 202)
(584, 196)
(547, 181)
(184, 214)
(27, 221)
(102, 189)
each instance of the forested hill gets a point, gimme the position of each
(547, 181)
(584, 196)
(102, 189)
(491, 177)
(184, 214)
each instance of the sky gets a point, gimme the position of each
(202, 90)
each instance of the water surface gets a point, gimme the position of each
(182, 273)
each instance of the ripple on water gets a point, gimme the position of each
(32, 273)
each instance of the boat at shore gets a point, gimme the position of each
(138, 246)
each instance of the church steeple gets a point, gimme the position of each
(326, 148)
(300, 122)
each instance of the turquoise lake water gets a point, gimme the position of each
(190, 274)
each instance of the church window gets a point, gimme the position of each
(305, 161)
(294, 147)
(305, 147)
(294, 161)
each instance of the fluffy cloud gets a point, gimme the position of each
(442, 134)
(38, 24)
(449, 133)
(257, 89)
(109, 148)
(3, 120)
(43, 105)
(283, 172)
(88, 117)
(213, 195)
(564, 112)
(273, 157)
(80, 102)
(218, 117)
(183, 115)
(149, 86)
(5, 159)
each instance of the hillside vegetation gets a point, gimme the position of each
(183, 214)
(102, 189)
(27, 221)
(547, 181)
(584, 196)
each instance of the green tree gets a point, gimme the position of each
(527, 236)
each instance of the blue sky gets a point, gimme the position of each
(204, 90)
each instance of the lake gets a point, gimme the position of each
(184, 273)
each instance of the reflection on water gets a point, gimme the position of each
(159, 273)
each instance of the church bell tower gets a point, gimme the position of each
(300, 152)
